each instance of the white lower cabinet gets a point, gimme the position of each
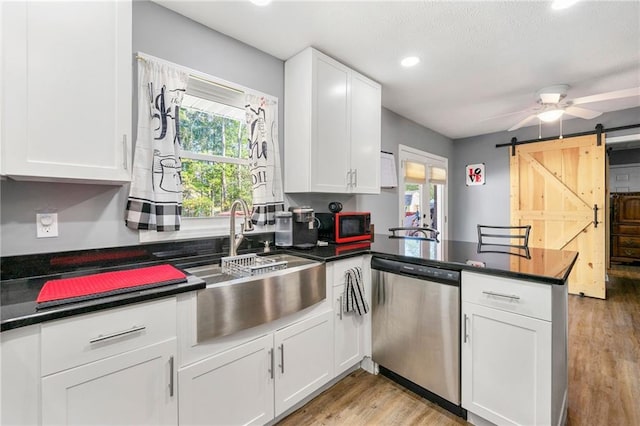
(506, 362)
(349, 327)
(348, 335)
(20, 376)
(133, 388)
(259, 380)
(232, 388)
(113, 367)
(514, 352)
(304, 359)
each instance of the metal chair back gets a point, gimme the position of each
(509, 236)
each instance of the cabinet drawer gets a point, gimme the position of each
(630, 230)
(628, 241)
(86, 338)
(626, 252)
(522, 297)
(340, 267)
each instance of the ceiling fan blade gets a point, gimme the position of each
(505, 115)
(617, 94)
(580, 112)
(523, 122)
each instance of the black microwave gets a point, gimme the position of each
(344, 227)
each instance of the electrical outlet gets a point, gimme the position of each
(46, 225)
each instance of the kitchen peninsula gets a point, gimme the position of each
(497, 333)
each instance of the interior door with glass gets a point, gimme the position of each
(422, 181)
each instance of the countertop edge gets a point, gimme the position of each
(100, 304)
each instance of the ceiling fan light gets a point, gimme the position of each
(550, 115)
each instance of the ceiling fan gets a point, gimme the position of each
(552, 104)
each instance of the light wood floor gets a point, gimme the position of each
(604, 373)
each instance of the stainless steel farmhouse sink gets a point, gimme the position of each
(232, 302)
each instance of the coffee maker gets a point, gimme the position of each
(305, 231)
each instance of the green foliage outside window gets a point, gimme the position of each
(209, 187)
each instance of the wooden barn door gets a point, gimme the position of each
(555, 186)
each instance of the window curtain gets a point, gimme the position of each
(264, 158)
(155, 197)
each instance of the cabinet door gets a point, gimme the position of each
(330, 127)
(66, 110)
(506, 366)
(20, 376)
(304, 359)
(348, 335)
(134, 388)
(231, 388)
(365, 134)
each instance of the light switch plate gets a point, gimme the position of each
(46, 225)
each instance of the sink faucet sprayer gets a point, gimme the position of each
(235, 240)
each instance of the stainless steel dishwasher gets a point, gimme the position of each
(416, 328)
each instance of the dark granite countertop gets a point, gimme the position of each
(19, 307)
(534, 264)
(24, 276)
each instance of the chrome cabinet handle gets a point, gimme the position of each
(355, 173)
(272, 363)
(125, 152)
(101, 337)
(282, 358)
(508, 296)
(171, 376)
(340, 307)
(466, 333)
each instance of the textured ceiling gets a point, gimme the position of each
(479, 59)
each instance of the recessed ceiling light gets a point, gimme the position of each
(410, 61)
(260, 2)
(562, 4)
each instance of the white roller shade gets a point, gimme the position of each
(415, 172)
(438, 175)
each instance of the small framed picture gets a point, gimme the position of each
(475, 174)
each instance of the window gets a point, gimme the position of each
(215, 165)
(215, 153)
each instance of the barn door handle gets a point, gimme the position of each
(595, 215)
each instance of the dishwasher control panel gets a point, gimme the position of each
(419, 271)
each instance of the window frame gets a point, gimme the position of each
(407, 153)
(199, 227)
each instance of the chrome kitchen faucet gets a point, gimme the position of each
(235, 240)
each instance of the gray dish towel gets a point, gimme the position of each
(354, 298)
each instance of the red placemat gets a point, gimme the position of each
(67, 290)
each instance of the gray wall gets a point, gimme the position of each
(398, 130)
(92, 216)
(489, 204)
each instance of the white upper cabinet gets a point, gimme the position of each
(66, 95)
(332, 127)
